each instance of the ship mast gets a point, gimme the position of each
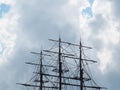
(60, 65)
(81, 70)
(41, 76)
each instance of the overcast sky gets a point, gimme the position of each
(26, 26)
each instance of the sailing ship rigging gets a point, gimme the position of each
(63, 67)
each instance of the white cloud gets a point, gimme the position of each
(105, 57)
(10, 2)
(8, 24)
(101, 26)
(109, 36)
(102, 7)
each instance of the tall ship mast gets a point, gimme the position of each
(62, 67)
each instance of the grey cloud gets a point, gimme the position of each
(39, 20)
(112, 80)
(116, 7)
(38, 23)
(98, 24)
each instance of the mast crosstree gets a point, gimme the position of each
(63, 67)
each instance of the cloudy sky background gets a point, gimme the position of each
(25, 26)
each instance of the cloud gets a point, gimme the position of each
(8, 24)
(30, 24)
(7, 31)
(101, 27)
(102, 31)
(110, 36)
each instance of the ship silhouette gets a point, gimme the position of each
(62, 67)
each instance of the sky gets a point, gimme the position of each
(27, 26)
